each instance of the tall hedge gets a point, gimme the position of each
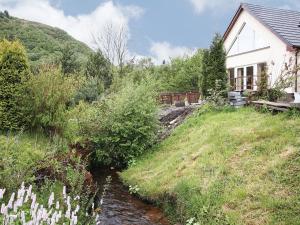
(14, 71)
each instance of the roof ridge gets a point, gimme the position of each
(269, 7)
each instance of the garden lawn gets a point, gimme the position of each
(225, 167)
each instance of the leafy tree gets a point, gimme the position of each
(68, 60)
(214, 67)
(98, 67)
(182, 74)
(14, 71)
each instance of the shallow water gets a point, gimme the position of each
(121, 208)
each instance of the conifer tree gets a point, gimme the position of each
(99, 67)
(214, 67)
(14, 72)
(68, 61)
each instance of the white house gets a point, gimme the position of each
(262, 39)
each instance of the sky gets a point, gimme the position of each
(161, 29)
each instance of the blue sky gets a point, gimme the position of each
(157, 28)
(174, 21)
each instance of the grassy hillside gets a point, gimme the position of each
(43, 43)
(229, 167)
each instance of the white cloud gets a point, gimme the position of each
(201, 5)
(161, 51)
(81, 26)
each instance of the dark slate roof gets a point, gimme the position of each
(283, 23)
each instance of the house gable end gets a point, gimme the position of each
(247, 39)
(253, 12)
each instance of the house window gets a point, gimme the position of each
(231, 78)
(250, 74)
(247, 40)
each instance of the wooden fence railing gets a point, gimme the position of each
(170, 98)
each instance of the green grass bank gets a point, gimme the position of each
(225, 167)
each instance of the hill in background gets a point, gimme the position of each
(43, 43)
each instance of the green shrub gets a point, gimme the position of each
(14, 71)
(49, 92)
(80, 125)
(273, 94)
(89, 91)
(121, 127)
(18, 155)
(131, 125)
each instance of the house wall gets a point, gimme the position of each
(298, 71)
(276, 55)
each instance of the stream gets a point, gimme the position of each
(119, 207)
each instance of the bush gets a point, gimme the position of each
(14, 71)
(18, 155)
(81, 124)
(121, 127)
(273, 94)
(90, 91)
(49, 92)
(131, 125)
(216, 95)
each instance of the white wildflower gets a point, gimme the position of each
(28, 195)
(68, 214)
(57, 205)
(4, 209)
(11, 200)
(64, 192)
(2, 191)
(51, 199)
(23, 218)
(77, 209)
(33, 198)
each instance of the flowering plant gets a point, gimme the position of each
(23, 208)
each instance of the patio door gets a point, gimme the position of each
(250, 77)
(240, 79)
